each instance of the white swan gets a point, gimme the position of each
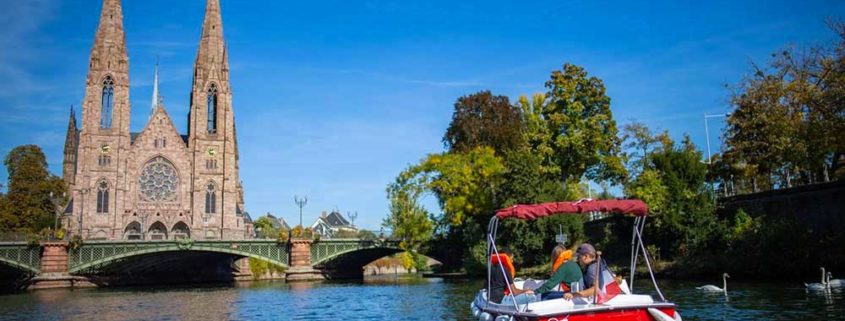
(713, 288)
(835, 283)
(819, 286)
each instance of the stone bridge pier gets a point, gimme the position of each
(300, 262)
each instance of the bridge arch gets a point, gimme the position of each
(93, 256)
(342, 258)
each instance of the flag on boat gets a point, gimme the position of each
(608, 288)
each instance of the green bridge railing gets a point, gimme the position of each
(93, 254)
(326, 249)
(21, 256)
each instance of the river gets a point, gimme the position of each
(385, 298)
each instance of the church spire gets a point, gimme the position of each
(156, 100)
(71, 124)
(109, 51)
(212, 50)
(70, 152)
(105, 109)
(210, 97)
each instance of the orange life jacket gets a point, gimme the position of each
(560, 260)
(504, 260)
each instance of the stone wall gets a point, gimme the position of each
(819, 207)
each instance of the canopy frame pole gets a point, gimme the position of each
(648, 263)
(491, 241)
(635, 252)
(488, 250)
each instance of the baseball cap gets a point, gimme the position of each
(585, 248)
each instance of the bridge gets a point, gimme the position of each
(54, 263)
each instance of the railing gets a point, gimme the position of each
(92, 254)
(21, 255)
(326, 249)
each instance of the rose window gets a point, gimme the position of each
(159, 181)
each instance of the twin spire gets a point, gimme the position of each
(109, 50)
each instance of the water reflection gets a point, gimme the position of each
(383, 298)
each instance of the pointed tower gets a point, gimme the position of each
(156, 100)
(71, 144)
(104, 139)
(211, 132)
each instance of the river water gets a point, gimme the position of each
(385, 298)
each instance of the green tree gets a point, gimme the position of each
(264, 228)
(464, 183)
(465, 186)
(537, 134)
(764, 130)
(27, 204)
(684, 206)
(583, 132)
(367, 235)
(484, 119)
(788, 119)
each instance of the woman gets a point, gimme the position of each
(565, 273)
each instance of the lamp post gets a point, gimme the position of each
(707, 132)
(57, 207)
(352, 217)
(301, 203)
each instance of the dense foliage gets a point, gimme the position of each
(27, 207)
(536, 150)
(787, 123)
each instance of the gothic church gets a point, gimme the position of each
(155, 184)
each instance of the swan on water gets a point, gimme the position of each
(819, 286)
(835, 283)
(713, 288)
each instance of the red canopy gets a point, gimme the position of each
(533, 211)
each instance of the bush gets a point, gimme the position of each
(260, 267)
(475, 259)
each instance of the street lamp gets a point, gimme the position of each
(57, 207)
(352, 217)
(301, 203)
(707, 132)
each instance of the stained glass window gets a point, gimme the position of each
(103, 197)
(107, 103)
(212, 109)
(159, 181)
(210, 199)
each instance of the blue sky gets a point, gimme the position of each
(334, 98)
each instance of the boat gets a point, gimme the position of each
(626, 305)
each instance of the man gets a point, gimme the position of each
(586, 254)
(565, 275)
(501, 284)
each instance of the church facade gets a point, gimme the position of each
(157, 183)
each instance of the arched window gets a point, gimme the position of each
(210, 199)
(132, 231)
(181, 231)
(158, 231)
(107, 103)
(103, 197)
(212, 109)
